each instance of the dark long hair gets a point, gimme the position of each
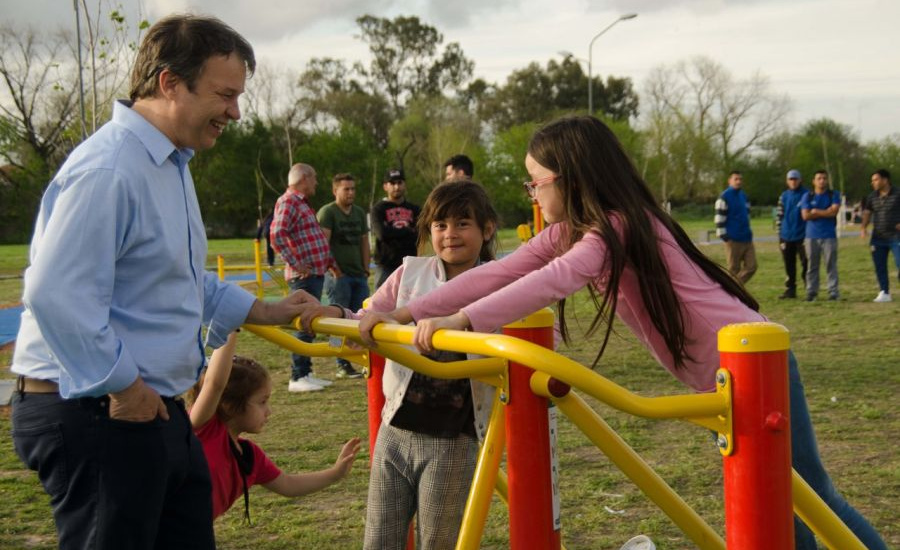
(459, 199)
(598, 181)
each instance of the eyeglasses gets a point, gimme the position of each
(531, 186)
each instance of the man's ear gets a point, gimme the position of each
(168, 83)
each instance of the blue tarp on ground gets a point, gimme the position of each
(9, 324)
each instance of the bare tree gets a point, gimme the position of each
(701, 122)
(39, 81)
(111, 47)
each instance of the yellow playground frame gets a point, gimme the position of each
(552, 376)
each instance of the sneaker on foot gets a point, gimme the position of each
(810, 297)
(303, 385)
(319, 381)
(834, 297)
(788, 294)
(640, 542)
(883, 297)
(347, 371)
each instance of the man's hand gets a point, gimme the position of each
(137, 403)
(282, 312)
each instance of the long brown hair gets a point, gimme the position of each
(597, 180)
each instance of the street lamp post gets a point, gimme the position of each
(591, 59)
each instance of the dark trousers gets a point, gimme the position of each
(301, 365)
(790, 251)
(116, 485)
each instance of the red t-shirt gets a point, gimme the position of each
(223, 468)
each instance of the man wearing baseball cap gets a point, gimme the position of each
(791, 232)
(393, 222)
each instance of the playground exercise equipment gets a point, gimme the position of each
(257, 268)
(749, 411)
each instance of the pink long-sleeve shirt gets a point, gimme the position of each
(497, 293)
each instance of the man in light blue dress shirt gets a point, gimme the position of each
(115, 298)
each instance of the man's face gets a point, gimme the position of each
(395, 190)
(203, 113)
(878, 182)
(736, 180)
(307, 185)
(450, 174)
(793, 183)
(344, 193)
(820, 181)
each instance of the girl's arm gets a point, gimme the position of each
(295, 485)
(214, 382)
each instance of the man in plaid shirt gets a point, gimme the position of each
(297, 236)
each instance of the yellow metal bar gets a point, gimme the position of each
(220, 264)
(484, 480)
(631, 464)
(290, 343)
(693, 406)
(820, 518)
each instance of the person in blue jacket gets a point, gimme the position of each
(733, 227)
(819, 208)
(791, 232)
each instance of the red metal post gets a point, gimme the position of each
(758, 508)
(376, 398)
(533, 518)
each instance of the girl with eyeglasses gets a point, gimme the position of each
(607, 232)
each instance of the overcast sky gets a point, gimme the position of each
(834, 58)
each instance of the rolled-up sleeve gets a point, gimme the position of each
(225, 308)
(69, 285)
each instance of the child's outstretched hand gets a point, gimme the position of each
(344, 462)
(371, 318)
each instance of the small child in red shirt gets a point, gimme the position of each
(233, 398)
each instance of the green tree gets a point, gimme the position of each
(535, 94)
(406, 60)
(344, 149)
(432, 130)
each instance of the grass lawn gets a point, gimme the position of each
(849, 354)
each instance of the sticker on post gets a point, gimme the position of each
(336, 342)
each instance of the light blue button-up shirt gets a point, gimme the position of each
(116, 287)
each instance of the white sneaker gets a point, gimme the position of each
(883, 297)
(640, 542)
(319, 381)
(303, 385)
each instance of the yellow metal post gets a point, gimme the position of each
(484, 480)
(822, 519)
(257, 264)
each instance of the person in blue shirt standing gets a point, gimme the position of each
(733, 227)
(819, 208)
(791, 232)
(116, 297)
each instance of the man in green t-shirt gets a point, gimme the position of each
(345, 227)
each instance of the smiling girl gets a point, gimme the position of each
(426, 447)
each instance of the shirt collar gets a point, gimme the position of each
(158, 145)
